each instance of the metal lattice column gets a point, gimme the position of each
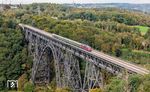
(72, 76)
(34, 45)
(58, 58)
(93, 77)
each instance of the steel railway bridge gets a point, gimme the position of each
(54, 56)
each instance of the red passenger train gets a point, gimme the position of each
(86, 47)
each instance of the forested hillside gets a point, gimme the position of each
(130, 6)
(13, 51)
(110, 30)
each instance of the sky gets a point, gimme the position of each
(76, 1)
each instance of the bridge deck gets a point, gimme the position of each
(121, 63)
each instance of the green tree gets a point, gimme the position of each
(135, 82)
(116, 85)
(118, 52)
(147, 35)
(28, 87)
(146, 83)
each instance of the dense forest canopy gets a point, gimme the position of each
(110, 30)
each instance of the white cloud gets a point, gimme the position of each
(141, 1)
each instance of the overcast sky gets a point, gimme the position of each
(76, 1)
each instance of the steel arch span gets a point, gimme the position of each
(67, 70)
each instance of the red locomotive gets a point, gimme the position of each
(86, 47)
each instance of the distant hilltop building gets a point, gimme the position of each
(4, 6)
(1, 7)
(14, 6)
(54, 18)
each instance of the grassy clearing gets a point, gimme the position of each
(141, 51)
(142, 29)
(137, 56)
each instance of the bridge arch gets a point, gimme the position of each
(45, 70)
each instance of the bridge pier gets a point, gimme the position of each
(72, 72)
(93, 77)
(67, 70)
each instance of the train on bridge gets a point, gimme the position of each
(80, 45)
